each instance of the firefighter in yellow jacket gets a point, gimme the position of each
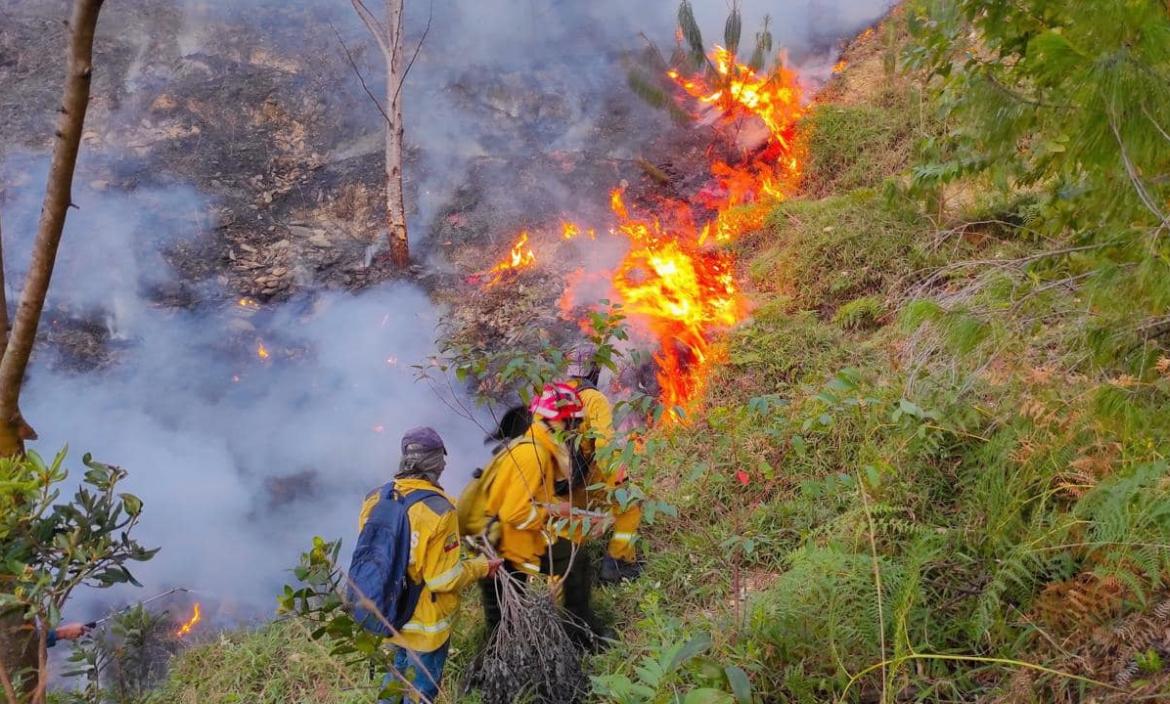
(436, 561)
(516, 501)
(620, 561)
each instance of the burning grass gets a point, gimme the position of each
(675, 279)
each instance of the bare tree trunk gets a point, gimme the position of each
(17, 641)
(3, 300)
(395, 76)
(58, 198)
(390, 37)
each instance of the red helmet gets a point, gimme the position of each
(557, 402)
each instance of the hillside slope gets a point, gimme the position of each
(910, 481)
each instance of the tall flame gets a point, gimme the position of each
(673, 275)
(185, 628)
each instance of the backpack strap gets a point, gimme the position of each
(413, 497)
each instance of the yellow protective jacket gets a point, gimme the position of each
(436, 562)
(598, 433)
(525, 475)
(597, 428)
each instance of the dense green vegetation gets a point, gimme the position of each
(933, 466)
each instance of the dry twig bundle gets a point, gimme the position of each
(530, 656)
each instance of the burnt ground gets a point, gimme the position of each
(272, 126)
(264, 118)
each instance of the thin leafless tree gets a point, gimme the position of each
(390, 35)
(17, 649)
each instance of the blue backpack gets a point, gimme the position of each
(378, 566)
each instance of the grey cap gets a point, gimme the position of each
(422, 439)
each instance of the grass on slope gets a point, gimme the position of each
(898, 462)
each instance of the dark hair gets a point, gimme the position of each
(514, 423)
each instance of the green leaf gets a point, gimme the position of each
(707, 695)
(132, 504)
(695, 646)
(741, 687)
(732, 29)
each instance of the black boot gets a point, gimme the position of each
(615, 571)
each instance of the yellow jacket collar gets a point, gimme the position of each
(409, 484)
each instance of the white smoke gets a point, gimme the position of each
(241, 460)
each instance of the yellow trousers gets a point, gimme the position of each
(625, 530)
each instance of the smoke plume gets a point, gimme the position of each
(247, 429)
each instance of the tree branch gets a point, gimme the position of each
(357, 72)
(3, 302)
(1135, 178)
(374, 26)
(423, 38)
(58, 198)
(42, 660)
(6, 680)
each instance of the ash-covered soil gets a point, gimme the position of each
(264, 118)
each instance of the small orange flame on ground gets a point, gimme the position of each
(520, 257)
(571, 230)
(250, 303)
(840, 66)
(196, 617)
(261, 350)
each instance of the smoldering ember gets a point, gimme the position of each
(291, 232)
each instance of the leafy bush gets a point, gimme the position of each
(51, 548)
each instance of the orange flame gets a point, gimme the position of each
(684, 291)
(261, 350)
(673, 276)
(774, 98)
(196, 617)
(687, 290)
(571, 230)
(520, 257)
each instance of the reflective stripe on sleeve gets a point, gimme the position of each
(623, 537)
(437, 627)
(446, 578)
(530, 521)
